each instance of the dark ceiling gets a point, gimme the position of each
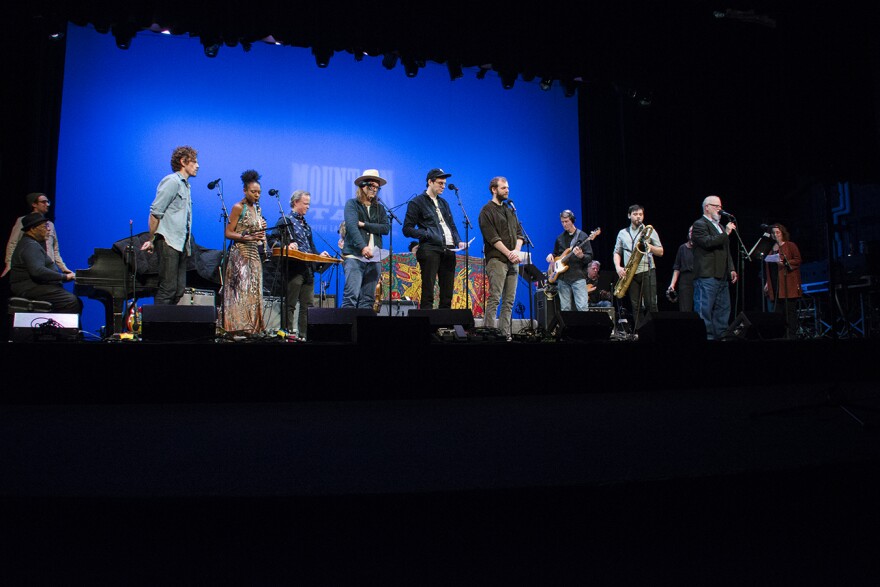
(636, 43)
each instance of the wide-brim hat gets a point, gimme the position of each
(370, 174)
(31, 220)
(437, 173)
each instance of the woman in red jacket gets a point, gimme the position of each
(782, 272)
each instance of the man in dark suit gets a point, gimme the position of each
(713, 268)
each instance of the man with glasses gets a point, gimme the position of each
(365, 223)
(39, 203)
(34, 275)
(713, 268)
(429, 219)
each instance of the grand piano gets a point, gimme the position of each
(115, 276)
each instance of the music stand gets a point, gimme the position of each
(533, 275)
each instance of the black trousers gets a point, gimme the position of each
(436, 265)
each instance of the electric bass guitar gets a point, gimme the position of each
(560, 263)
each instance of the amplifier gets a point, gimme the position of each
(197, 297)
(45, 326)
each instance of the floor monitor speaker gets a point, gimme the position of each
(170, 323)
(672, 326)
(585, 326)
(757, 326)
(334, 324)
(446, 318)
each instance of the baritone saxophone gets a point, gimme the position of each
(633, 263)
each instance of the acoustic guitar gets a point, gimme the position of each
(560, 263)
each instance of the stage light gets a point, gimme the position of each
(123, 33)
(481, 73)
(410, 67)
(389, 61)
(507, 80)
(454, 70)
(546, 84)
(211, 49)
(322, 56)
(570, 87)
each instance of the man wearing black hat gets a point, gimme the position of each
(34, 275)
(429, 219)
(38, 202)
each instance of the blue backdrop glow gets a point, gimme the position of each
(272, 109)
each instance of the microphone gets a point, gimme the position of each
(273, 192)
(452, 187)
(213, 184)
(728, 214)
(510, 205)
(785, 261)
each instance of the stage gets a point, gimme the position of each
(446, 461)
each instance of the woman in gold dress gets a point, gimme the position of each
(243, 285)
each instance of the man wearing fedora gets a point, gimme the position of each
(365, 223)
(38, 202)
(34, 275)
(429, 219)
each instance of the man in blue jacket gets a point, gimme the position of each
(429, 219)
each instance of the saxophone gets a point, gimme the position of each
(633, 263)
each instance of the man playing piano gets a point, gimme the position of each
(171, 225)
(34, 275)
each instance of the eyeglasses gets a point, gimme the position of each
(440, 182)
(715, 205)
(373, 186)
(43, 202)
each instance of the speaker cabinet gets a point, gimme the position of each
(546, 309)
(334, 324)
(585, 326)
(446, 318)
(45, 326)
(757, 326)
(672, 327)
(169, 323)
(400, 331)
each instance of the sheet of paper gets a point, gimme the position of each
(379, 255)
(468, 244)
(774, 258)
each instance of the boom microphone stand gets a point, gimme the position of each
(390, 252)
(528, 243)
(467, 244)
(286, 238)
(742, 254)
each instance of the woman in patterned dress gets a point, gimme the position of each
(243, 285)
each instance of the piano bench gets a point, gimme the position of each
(26, 305)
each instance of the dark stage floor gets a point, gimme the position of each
(465, 462)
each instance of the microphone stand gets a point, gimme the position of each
(467, 271)
(224, 218)
(740, 275)
(320, 268)
(286, 237)
(390, 252)
(130, 273)
(528, 243)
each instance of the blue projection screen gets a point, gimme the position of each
(302, 127)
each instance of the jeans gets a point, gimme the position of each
(436, 265)
(712, 303)
(172, 273)
(503, 276)
(360, 284)
(576, 289)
